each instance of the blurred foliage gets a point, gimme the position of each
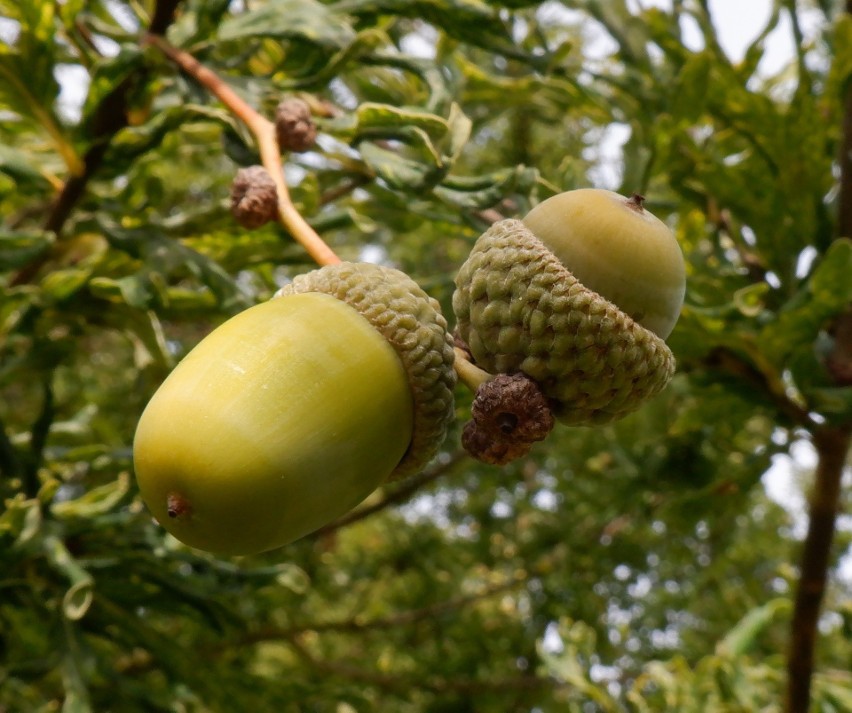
(637, 567)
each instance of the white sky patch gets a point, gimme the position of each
(9, 30)
(782, 483)
(73, 82)
(421, 44)
(374, 254)
(785, 483)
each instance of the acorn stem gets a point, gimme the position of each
(636, 202)
(265, 135)
(469, 374)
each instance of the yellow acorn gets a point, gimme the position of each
(579, 296)
(292, 412)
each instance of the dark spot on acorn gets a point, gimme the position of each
(177, 506)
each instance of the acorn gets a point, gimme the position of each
(579, 296)
(289, 414)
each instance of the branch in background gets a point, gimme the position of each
(10, 462)
(38, 439)
(109, 118)
(844, 224)
(401, 494)
(343, 189)
(721, 219)
(832, 445)
(267, 143)
(400, 684)
(358, 623)
(805, 82)
(764, 379)
(439, 685)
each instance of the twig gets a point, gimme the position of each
(401, 494)
(342, 189)
(38, 438)
(264, 133)
(469, 374)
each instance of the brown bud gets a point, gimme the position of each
(254, 197)
(294, 126)
(509, 414)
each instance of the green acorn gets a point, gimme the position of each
(594, 344)
(292, 412)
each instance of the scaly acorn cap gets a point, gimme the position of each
(519, 309)
(412, 323)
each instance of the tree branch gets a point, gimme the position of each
(358, 624)
(265, 136)
(832, 444)
(844, 224)
(38, 438)
(754, 369)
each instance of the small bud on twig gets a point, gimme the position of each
(509, 414)
(254, 198)
(294, 125)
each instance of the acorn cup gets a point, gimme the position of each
(292, 412)
(579, 297)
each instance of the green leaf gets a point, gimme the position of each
(19, 248)
(107, 75)
(836, 403)
(750, 300)
(134, 290)
(21, 519)
(293, 578)
(383, 117)
(164, 257)
(460, 129)
(398, 172)
(59, 285)
(96, 501)
(475, 193)
(743, 636)
(306, 20)
(470, 21)
(78, 598)
(691, 89)
(133, 142)
(20, 167)
(827, 292)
